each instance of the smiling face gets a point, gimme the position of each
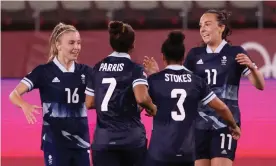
(210, 29)
(69, 45)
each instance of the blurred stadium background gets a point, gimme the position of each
(26, 26)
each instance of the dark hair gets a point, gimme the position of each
(223, 19)
(173, 47)
(121, 36)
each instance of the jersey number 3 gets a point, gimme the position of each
(112, 84)
(180, 102)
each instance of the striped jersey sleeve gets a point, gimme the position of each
(139, 77)
(245, 70)
(32, 79)
(207, 95)
(89, 90)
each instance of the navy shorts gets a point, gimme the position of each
(151, 162)
(119, 157)
(215, 143)
(59, 156)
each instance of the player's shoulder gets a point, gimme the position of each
(98, 64)
(197, 78)
(136, 66)
(83, 67)
(43, 67)
(156, 76)
(198, 50)
(187, 70)
(236, 49)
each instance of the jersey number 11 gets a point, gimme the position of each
(210, 73)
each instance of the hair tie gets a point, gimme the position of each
(70, 29)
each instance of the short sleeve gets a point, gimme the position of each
(89, 90)
(189, 60)
(33, 79)
(245, 71)
(139, 76)
(206, 93)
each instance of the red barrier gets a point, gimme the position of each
(22, 51)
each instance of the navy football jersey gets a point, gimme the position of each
(118, 117)
(176, 93)
(62, 95)
(222, 72)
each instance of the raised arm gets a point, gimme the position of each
(150, 65)
(251, 71)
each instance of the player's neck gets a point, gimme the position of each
(174, 63)
(215, 45)
(65, 62)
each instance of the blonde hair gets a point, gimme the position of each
(56, 33)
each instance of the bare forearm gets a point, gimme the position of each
(257, 79)
(223, 111)
(89, 107)
(226, 115)
(145, 102)
(90, 102)
(16, 99)
(148, 105)
(143, 99)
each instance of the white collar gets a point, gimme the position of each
(62, 68)
(120, 55)
(218, 49)
(177, 67)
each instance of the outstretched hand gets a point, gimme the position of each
(150, 65)
(244, 60)
(29, 111)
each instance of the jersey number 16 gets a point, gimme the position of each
(72, 97)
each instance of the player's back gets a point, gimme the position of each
(118, 117)
(176, 93)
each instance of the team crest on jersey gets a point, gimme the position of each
(50, 159)
(83, 78)
(223, 60)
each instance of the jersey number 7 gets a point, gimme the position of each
(112, 85)
(180, 102)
